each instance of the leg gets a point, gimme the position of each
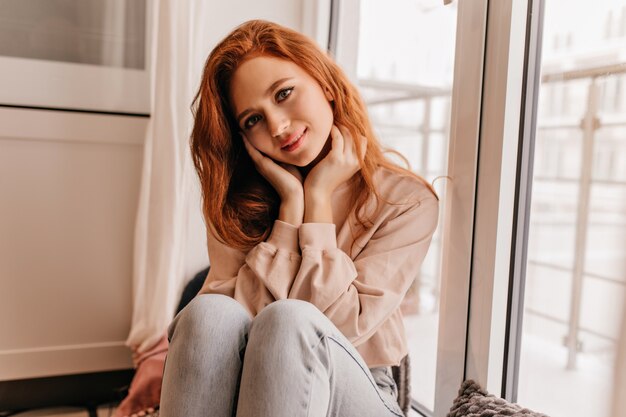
(298, 363)
(203, 364)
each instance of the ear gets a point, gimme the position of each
(328, 95)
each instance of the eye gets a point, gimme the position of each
(284, 93)
(251, 121)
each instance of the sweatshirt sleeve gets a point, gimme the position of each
(256, 278)
(359, 295)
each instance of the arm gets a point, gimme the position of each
(266, 272)
(359, 295)
(286, 180)
(317, 207)
(261, 275)
(338, 166)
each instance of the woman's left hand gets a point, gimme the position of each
(341, 163)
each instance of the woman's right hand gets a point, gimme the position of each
(286, 180)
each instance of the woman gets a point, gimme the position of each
(314, 238)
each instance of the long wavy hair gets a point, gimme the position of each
(238, 203)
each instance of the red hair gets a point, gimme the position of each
(238, 203)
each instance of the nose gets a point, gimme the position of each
(277, 123)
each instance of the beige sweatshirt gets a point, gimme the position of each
(361, 292)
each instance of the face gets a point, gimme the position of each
(281, 109)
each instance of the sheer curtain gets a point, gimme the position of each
(619, 393)
(170, 236)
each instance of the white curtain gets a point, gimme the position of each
(619, 388)
(170, 237)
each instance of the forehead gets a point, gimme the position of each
(255, 75)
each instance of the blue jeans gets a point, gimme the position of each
(289, 361)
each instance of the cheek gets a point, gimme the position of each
(320, 112)
(327, 118)
(318, 109)
(258, 141)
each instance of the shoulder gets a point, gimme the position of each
(403, 189)
(407, 211)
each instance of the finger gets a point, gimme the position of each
(358, 147)
(338, 142)
(350, 147)
(347, 136)
(293, 170)
(287, 167)
(363, 143)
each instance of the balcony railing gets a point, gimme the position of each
(390, 93)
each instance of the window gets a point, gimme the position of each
(576, 263)
(86, 32)
(524, 287)
(406, 81)
(85, 55)
(403, 57)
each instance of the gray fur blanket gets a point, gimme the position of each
(473, 401)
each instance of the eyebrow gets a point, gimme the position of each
(267, 92)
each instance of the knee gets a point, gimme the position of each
(207, 313)
(285, 318)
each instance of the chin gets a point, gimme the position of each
(304, 162)
(311, 159)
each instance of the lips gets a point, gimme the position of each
(292, 140)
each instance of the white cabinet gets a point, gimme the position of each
(76, 54)
(69, 186)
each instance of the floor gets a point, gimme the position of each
(65, 412)
(101, 413)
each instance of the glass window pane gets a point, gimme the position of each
(97, 32)
(406, 81)
(576, 273)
